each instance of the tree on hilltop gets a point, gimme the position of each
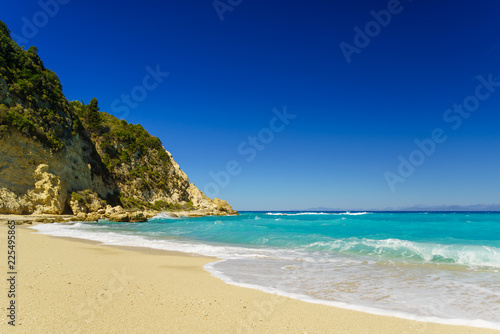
(93, 115)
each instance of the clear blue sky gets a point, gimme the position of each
(353, 120)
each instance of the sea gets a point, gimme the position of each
(441, 267)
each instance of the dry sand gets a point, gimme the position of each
(71, 286)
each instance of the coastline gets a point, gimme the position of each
(117, 214)
(69, 286)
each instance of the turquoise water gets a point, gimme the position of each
(441, 267)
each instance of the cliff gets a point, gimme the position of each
(68, 157)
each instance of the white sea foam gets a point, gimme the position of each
(482, 256)
(298, 213)
(163, 215)
(212, 268)
(316, 213)
(95, 233)
(354, 213)
(393, 289)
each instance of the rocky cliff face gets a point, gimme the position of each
(201, 201)
(58, 157)
(35, 180)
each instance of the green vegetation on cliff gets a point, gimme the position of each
(132, 155)
(118, 141)
(32, 97)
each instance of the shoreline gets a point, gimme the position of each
(89, 287)
(117, 214)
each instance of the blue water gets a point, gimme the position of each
(441, 267)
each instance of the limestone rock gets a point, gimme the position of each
(137, 217)
(47, 197)
(10, 203)
(119, 217)
(224, 206)
(86, 201)
(23, 222)
(112, 210)
(199, 199)
(149, 214)
(35, 180)
(92, 217)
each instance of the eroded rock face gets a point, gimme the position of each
(224, 206)
(119, 217)
(48, 196)
(112, 210)
(180, 192)
(10, 203)
(203, 202)
(175, 181)
(35, 180)
(86, 201)
(199, 199)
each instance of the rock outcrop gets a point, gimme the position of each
(86, 202)
(223, 206)
(35, 180)
(201, 201)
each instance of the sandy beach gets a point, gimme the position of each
(73, 286)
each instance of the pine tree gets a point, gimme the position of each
(93, 116)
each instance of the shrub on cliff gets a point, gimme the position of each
(86, 201)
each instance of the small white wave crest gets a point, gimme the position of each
(163, 215)
(297, 213)
(316, 213)
(470, 255)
